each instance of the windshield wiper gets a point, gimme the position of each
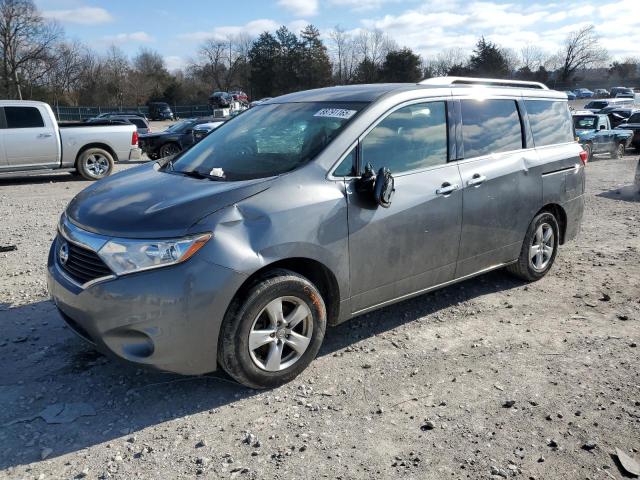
(197, 174)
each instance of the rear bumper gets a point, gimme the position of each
(135, 154)
(167, 318)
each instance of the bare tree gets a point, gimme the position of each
(223, 60)
(24, 38)
(441, 65)
(374, 45)
(512, 58)
(532, 57)
(581, 50)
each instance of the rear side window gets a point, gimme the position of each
(490, 126)
(635, 118)
(23, 117)
(412, 137)
(138, 122)
(550, 122)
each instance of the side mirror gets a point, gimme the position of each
(384, 187)
(603, 127)
(377, 189)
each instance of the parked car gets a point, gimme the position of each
(240, 96)
(570, 95)
(118, 114)
(160, 111)
(596, 135)
(258, 102)
(304, 213)
(601, 93)
(202, 130)
(32, 140)
(619, 115)
(141, 123)
(615, 91)
(171, 141)
(220, 100)
(596, 106)
(632, 124)
(583, 93)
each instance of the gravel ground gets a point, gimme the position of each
(491, 378)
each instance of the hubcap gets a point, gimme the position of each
(280, 334)
(541, 249)
(97, 165)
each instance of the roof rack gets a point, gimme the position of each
(488, 82)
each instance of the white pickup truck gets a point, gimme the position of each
(32, 140)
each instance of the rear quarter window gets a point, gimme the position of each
(550, 122)
(490, 126)
(23, 117)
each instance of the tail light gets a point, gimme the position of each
(134, 138)
(584, 156)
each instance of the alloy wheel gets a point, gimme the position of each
(541, 248)
(97, 165)
(280, 334)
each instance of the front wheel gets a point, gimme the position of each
(94, 164)
(538, 249)
(271, 334)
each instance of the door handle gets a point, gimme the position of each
(477, 179)
(447, 188)
(45, 135)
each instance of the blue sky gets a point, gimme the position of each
(175, 28)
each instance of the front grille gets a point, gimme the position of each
(84, 265)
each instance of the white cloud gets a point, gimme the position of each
(297, 25)
(253, 29)
(120, 38)
(302, 8)
(360, 5)
(174, 62)
(80, 15)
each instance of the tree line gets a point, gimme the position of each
(39, 62)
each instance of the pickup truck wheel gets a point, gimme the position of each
(274, 331)
(538, 249)
(94, 164)
(169, 149)
(618, 152)
(589, 149)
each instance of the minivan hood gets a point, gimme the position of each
(146, 202)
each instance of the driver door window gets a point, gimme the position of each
(411, 138)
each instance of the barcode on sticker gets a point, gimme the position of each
(335, 113)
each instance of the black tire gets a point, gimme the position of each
(589, 149)
(524, 268)
(169, 150)
(233, 344)
(618, 151)
(94, 164)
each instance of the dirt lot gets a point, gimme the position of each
(491, 378)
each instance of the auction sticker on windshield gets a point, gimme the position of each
(335, 113)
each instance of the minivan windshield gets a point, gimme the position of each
(267, 140)
(585, 123)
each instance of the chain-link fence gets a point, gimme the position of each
(74, 114)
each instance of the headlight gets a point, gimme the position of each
(127, 256)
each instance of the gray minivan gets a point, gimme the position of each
(310, 209)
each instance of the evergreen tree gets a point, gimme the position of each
(315, 66)
(262, 57)
(401, 66)
(488, 61)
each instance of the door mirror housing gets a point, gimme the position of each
(378, 189)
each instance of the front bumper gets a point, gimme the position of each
(168, 318)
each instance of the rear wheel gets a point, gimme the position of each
(169, 150)
(94, 164)
(538, 249)
(618, 152)
(271, 334)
